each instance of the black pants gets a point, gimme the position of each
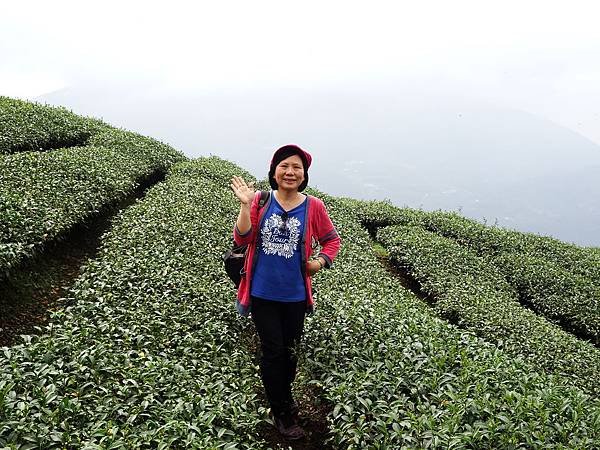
(279, 326)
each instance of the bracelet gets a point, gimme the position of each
(320, 263)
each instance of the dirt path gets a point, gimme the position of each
(37, 288)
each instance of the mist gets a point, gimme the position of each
(415, 147)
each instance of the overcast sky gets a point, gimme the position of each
(489, 107)
(538, 56)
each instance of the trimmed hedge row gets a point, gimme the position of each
(151, 353)
(570, 300)
(399, 377)
(376, 214)
(570, 296)
(44, 194)
(473, 293)
(494, 241)
(483, 239)
(26, 126)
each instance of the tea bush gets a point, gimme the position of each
(150, 353)
(44, 194)
(568, 299)
(558, 280)
(473, 293)
(399, 377)
(490, 241)
(485, 240)
(26, 126)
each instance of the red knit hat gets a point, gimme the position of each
(291, 149)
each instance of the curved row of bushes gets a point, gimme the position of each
(567, 299)
(26, 126)
(150, 354)
(473, 293)
(494, 241)
(399, 377)
(483, 239)
(557, 280)
(44, 194)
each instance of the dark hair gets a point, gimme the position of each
(280, 156)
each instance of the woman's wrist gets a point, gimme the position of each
(319, 261)
(321, 265)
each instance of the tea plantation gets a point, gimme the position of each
(149, 351)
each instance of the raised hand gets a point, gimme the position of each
(244, 192)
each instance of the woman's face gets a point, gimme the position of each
(289, 173)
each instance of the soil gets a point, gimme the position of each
(31, 291)
(313, 418)
(405, 279)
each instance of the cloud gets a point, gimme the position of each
(29, 85)
(536, 56)
(185, 44)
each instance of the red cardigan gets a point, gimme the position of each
(318, 229)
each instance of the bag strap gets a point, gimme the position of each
(264, 196)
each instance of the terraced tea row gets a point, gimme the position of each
(567, 299)
(486, 240)
(149, 354)
(401, 378)
(44, 194)
(557, 280)
(473, 293)
(26, 126)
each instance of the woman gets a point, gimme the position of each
(276, 280)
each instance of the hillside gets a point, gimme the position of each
(431, 330)
(440, 151)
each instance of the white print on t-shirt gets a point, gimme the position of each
(279, 238)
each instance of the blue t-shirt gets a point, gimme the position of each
(278, 272)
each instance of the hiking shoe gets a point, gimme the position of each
(288, 427)
(294, 411)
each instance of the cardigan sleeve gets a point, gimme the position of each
(327, 236)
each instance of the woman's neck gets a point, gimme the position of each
(288, 196)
